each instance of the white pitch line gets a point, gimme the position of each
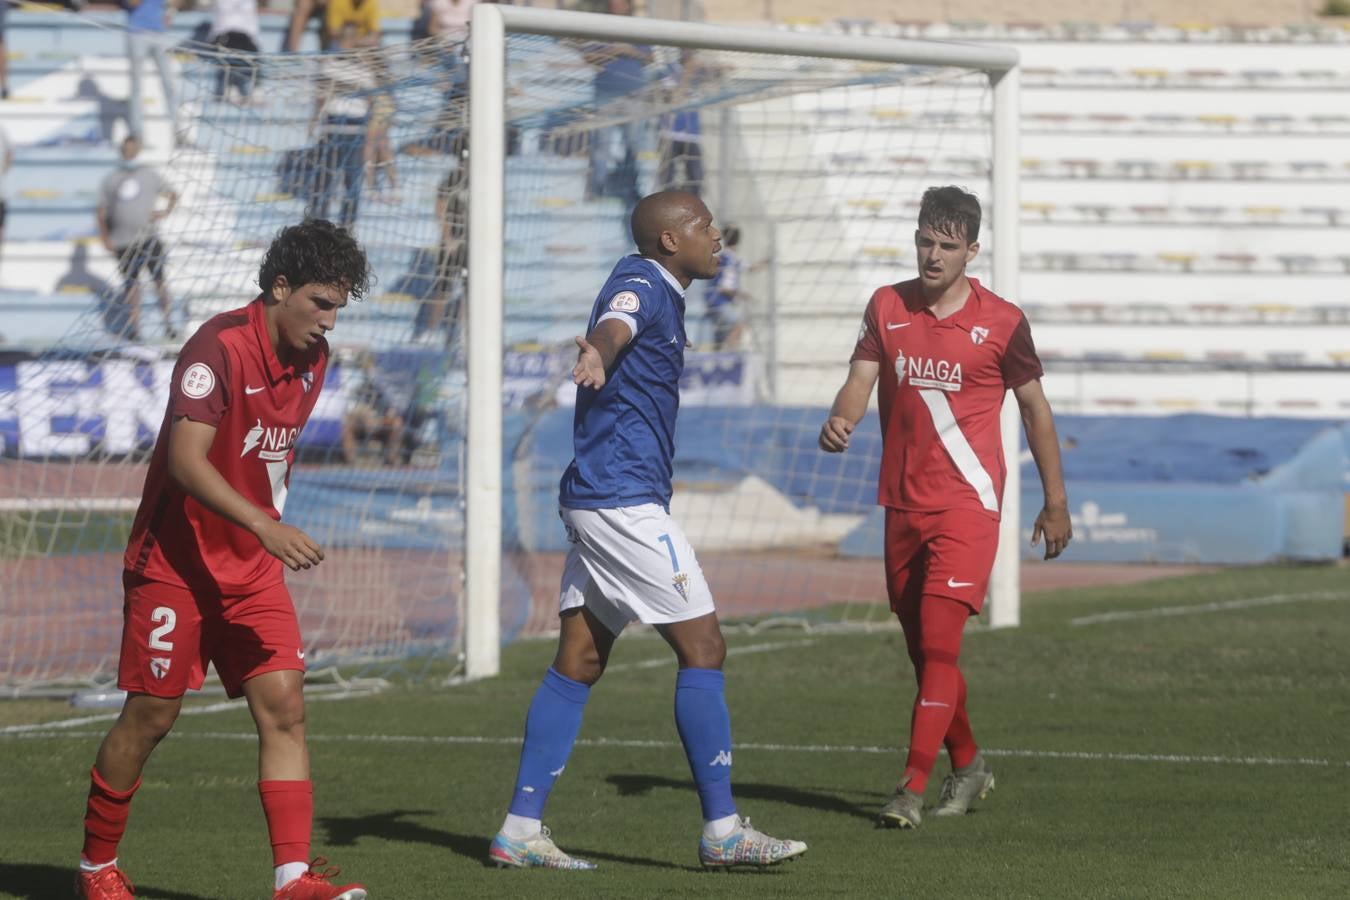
(222, 706)
(226, 705)
(629, 743)
(734, 651)
(1200, 608)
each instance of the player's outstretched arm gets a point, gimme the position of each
(192, 471)
(598, 350)
(1053, 521)
(850, 405)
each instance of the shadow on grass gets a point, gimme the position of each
(394, 825)
(38, 882)
(634, 785)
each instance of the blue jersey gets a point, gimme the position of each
(623, 435)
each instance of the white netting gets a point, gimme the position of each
(818, 163)
(370, 139)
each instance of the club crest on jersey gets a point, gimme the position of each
(681, 582)
(159, 666)
(307, 381)
(978, 335)
(275, 441)
(198, 380)
(624, 301)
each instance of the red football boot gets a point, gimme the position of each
(314, 885)
(108, 883)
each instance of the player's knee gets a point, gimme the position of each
(285, 714)
(704, 652)
(583, 667)
(151, 719)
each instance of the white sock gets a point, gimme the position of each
(288, 872)
(87, 866)
(518, 828)
(716, 829)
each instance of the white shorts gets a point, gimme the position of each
(631, 563)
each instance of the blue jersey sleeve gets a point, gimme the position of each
(632, 301)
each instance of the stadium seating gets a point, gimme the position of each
(1204, 230)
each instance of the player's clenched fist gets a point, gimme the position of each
(291, 545)
(834, 434)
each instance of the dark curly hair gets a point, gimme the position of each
(951, 211)
(316, 252)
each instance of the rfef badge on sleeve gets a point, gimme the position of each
(625, 302)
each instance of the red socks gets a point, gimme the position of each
(940, 708)
(289, 808)
(105, 819)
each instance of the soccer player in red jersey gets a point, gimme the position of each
(947, 350)
(203, 570)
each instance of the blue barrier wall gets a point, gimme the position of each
(1169, 488)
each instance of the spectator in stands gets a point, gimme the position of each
(621, 71)
(724, 313)
(682, 130)
(147, 22)
(128, 210)
(302, 13)
(235, 30)
(341, 122)
(443, 302)
(381, 169)
(441, 16)
(4, 54)
(373, 413)
(362, 15)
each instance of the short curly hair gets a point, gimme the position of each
(951, 211)
(316, 252)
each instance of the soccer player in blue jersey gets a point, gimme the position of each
(629, 559)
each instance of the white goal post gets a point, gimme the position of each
(491, 25)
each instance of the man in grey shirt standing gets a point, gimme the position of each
(127, 215)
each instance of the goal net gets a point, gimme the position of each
(817, 162)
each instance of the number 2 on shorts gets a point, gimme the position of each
(670, 545)
(165, 615)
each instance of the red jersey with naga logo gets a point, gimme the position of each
(228, 376)
(942, 384)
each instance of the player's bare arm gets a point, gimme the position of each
(1053, 522)
(170, 202)
(191, 470)
(850, 405)
(597, 352)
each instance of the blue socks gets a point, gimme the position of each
(705, 729)
(551, 728)
(554, 719)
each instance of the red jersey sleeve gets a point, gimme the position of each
(868, 348)
(200, 389)
(1020, 364)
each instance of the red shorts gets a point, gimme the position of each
(171, 634)
(943, 554)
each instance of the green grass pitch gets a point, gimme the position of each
(1200, 752)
